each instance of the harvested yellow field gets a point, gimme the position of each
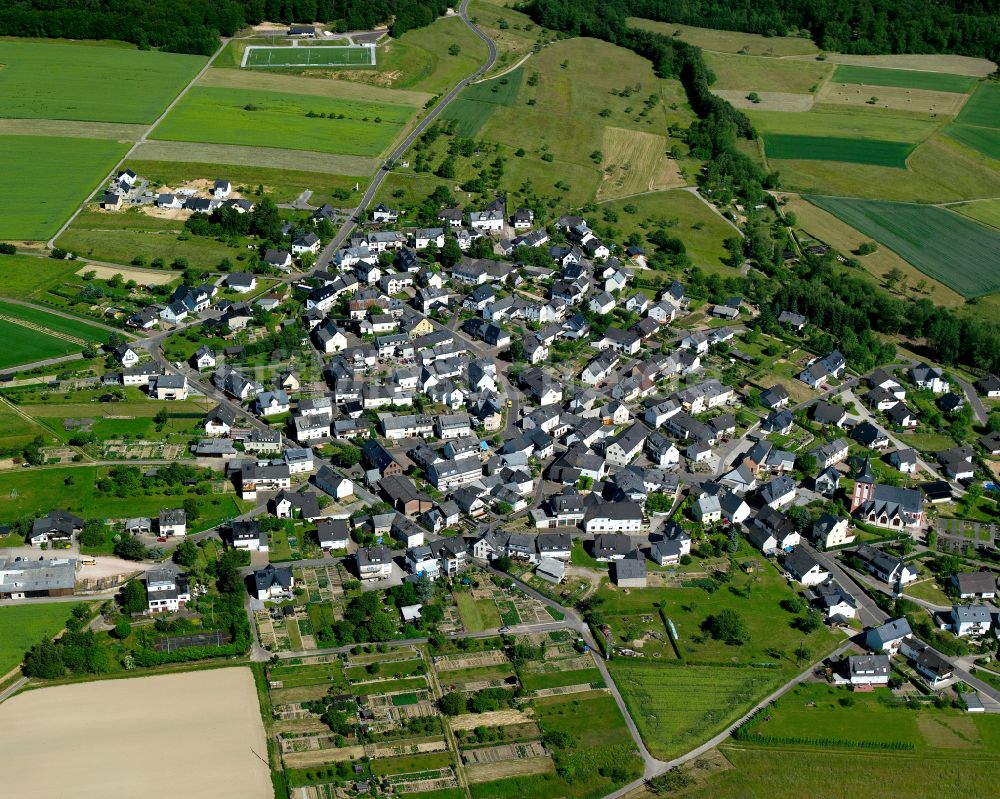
(144, 277)
(487, 772)
(635, 162)
(767, 101)
(198, 735)
(493, 718)
(240, 155)
(898, 99)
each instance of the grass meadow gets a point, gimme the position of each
(985, 140)
(987, 212)
(904, 78)
(730, 41)
(44, 178)
(857, 123)
(956, 251)
(77, 81)
(279, 119)
(476, 104)
(23, 626)
(760, 74)
(74, 489)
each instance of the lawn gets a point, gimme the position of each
(45, 178)
(71, 80)
(25, 345)
(835, 148)
(280, 119)
(958, 252)
(476, 104)
(904, 78)
(22, 626)
(477, 614)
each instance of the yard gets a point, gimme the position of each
(477, 614)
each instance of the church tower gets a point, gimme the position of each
(865, 483)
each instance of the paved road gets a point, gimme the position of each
(13, 688)
(142, 139)
(348, 227)
(871, 615)
(973, 397)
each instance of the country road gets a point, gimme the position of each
(348, 227)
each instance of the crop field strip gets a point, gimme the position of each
(904, 78)
(74, 81)
(282, 120)
(45, 178)
(946, 246)
(978, 124)
(835, 148)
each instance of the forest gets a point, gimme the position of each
(849, 26)
(194, 26)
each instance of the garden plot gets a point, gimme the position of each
(323, 583)
(497, 754)
(411, 746)
(424, 781)
(493, 718)
(502, 769)
(142, 450)
(478, 660)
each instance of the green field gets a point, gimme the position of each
(830, 148)
(26, 346)
(476, 104)
(847, 123)
(765, 74)
(22, 626)
(984, 140)
(729, 41)
(74, 489)
(987, 212)
(306, 56)
(278, 119)
(64, 80)
(958, 252)
(44, 179)
(558, 679)
(904, 79)
(59, 324)
(24, 276)
(983, 108)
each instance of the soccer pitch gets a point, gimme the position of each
(360, 55)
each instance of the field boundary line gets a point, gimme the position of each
(505, 71)
(149, 129)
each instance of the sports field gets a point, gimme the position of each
(834, 148)
(958, 252)
(476, 104)
(44, 178)
(68, 80)
(277, 119)
(223, 754)
(322, 56)
(23, 626)
(904, 78)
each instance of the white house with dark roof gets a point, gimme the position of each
(887, 637)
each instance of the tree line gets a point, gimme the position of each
(863, 27)
(194, 26)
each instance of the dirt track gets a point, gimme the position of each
(193, 735)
